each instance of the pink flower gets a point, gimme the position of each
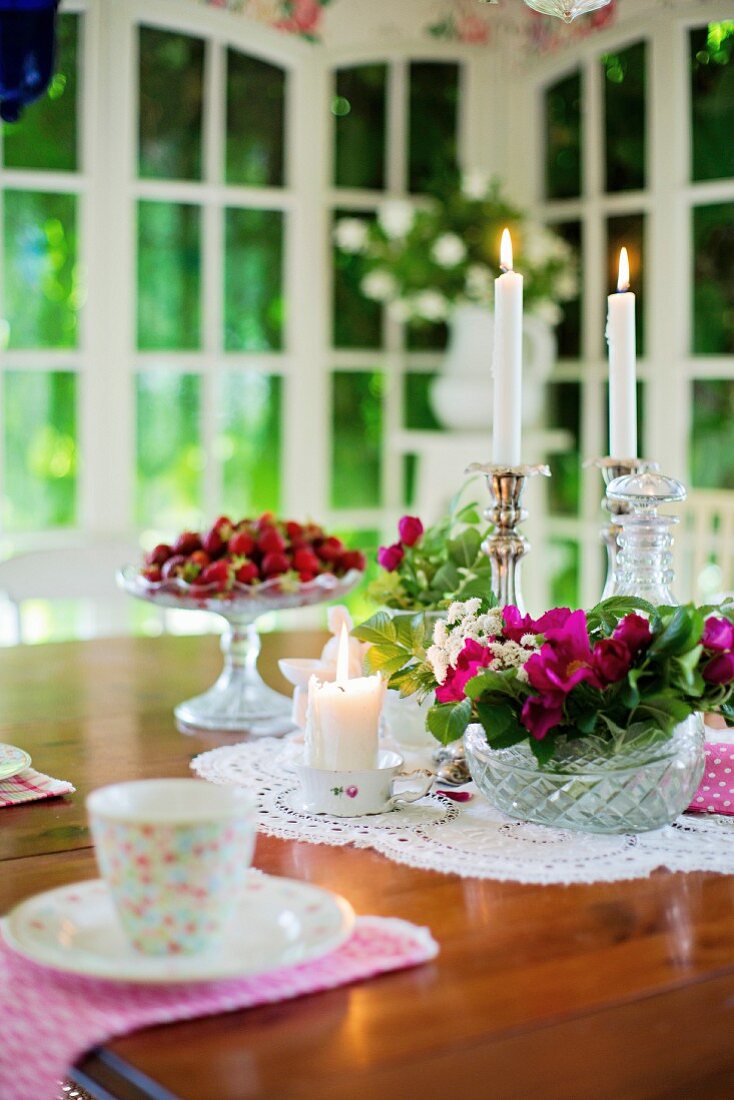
(540, 713)
(410, 530)
(634, 632)
(390, 557)
(472, 30)
(718, 635)
(517, 625)
(720, 669)
(470, 661)
(565, 659)
(352, 792)
(305, 16)
(612, 660)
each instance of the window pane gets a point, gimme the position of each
(359, 110)
(712, 101)
(713, 279)
(628, 230)
(169, 276)
(46, 136)
(564, 411)
(41, 289)
(417, 411)
(253, 280)
(248, 442)
(421, 336)
(625, 102)
(712, 440)
(563, 138)
(432, 125)
(40, 451)
(170, 456)
(357, 439)
(357, 321)
(171, 88)
(568, 332)
(255, 121)
(563, 562)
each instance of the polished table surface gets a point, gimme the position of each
(608, 990)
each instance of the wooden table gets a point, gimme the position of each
(612, 990)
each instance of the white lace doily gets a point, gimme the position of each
(470, 839)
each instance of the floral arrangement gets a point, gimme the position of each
(300, 17)
(429, 566)
(422, 260)
(621, 669)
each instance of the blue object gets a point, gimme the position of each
(27, 53)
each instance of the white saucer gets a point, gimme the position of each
(12, 760)
(281, 922)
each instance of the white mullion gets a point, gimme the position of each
(396, 143)
(64, 183)
(212, 215)
(200, 192)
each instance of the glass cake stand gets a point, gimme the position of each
(239, 701)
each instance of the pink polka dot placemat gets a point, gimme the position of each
(715, 795)
(50, 1019)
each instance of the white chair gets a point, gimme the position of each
(84, 573)
(705, 546)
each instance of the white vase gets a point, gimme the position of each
(461, 396)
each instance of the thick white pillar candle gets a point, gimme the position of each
(343, 718)
(622, 367)
(507, 361)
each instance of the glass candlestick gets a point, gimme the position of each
(611, 469)
(645, 560)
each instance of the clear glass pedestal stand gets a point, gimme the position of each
(644, 565)
(611, 469)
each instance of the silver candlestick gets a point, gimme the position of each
(505, 547)
(612, 468)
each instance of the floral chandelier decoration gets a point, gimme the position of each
(567, 10)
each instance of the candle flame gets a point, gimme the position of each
(623, 282)
(506, 251)
(342, 657)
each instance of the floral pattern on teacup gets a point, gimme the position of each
(174, 886)
(350, 792)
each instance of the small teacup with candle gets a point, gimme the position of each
(174, 854)
(354, 793)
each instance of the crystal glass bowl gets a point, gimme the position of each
(239, 701)
(592, 783)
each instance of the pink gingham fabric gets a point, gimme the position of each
(715, 794)
(50, 1019)
(29, 785)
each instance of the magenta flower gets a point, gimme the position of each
(390, 557)
(564, 660)
(517, 625)
(410, 530)
(470, 661)
(718, 635)
(720, 669)
(612, 660)
(634, 632)
(540, 713)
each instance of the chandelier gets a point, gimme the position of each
(566, 9)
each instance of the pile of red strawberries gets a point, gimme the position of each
(249, 553)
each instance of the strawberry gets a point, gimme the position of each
(247, 573)
(159, 555)
(219, 573)
(354, 559)
(305, 577)
(331, 549)
(271, 541)
(274, 564)
(306, 561)
(215, 539)
(267, 519)
(152, 573)
(241, 544)
(293, 530)
(200, 558)
(187, 543)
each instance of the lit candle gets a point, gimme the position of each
(622, 366)
(507, 361)
(343, 718)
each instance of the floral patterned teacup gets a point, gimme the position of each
(352, 794)
(174, 854)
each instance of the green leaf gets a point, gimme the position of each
(542, 750)
(447, 721)
(468, 514)
(727, 711)
(495, 718)
(378, 629)
(463, 550)
(678, 635)
(446, 579)
(477, 585)
(664, 710)
(386, 659)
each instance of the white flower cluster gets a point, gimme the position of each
(462, 623)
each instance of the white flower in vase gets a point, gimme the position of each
(431, 306)
(378, 285)
(475, 184)
(396, 217)
(351, 235)
(448, 250)
(399, 310)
